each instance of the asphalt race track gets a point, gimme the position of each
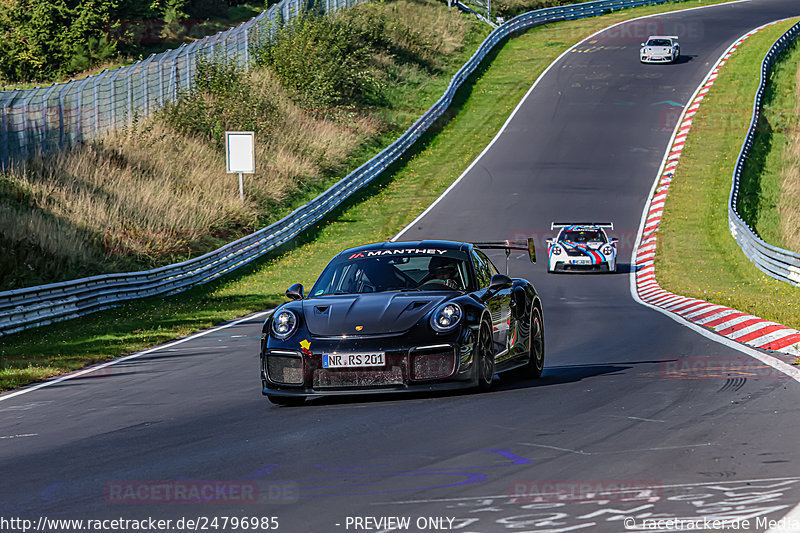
(635, 417)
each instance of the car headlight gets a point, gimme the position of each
(556, 250)
(607, 250)
(284, 324)
(446, 317)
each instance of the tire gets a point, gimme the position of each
(536, 346)
(484, 358)
(287, 401)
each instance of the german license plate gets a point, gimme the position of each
(353, 360)
(580, 262)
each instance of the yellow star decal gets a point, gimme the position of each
(305, 344)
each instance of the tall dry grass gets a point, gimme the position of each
(408, 26)
(789, 203)
(149, 192)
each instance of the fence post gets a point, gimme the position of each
(188, 75)
(96, 103)
(112, 96)
(61, 113)
(45, 96)
(130, 96)
(24, 130)
(145, 92)
(176, 82)
(173, 80)
(160, 82)
(80, 109)
(4, 132)
(247, 47)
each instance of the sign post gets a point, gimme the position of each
(240, 155)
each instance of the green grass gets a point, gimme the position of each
(763, 176)
(377, 213)
(697, 256)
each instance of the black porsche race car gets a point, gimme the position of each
(403, 316)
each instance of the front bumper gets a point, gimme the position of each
(436, 364)
(564, 266)
(656, 59)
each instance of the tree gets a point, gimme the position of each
(40, 38)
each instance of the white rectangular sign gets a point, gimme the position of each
(240, 152)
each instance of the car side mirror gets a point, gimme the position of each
(614, 240)
(641, 44)
(499, 281)
(295, 292)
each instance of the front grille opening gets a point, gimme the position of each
(432, 364)
(285, 369)
(601, 267)
(343, 379)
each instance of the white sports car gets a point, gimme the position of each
(660, 49)
(581, 246)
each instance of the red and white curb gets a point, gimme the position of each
(735, 325)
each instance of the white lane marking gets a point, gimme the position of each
(129, 357)
(524, 98)
(20, 436)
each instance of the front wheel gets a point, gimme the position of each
(536, 346)
(485, 358)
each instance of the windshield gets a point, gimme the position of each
(659, 42)
(386, 270)
(592, 235)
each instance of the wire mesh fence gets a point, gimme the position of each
(46, 119)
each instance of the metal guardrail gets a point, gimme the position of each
(772, 260)
(47, 119)
(36, 306)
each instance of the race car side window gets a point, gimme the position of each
(484, 269)
(482, 273)
(492, 269)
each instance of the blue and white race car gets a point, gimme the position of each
(582, 246)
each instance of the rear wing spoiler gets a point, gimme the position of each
(524, 246)
(604, 225)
